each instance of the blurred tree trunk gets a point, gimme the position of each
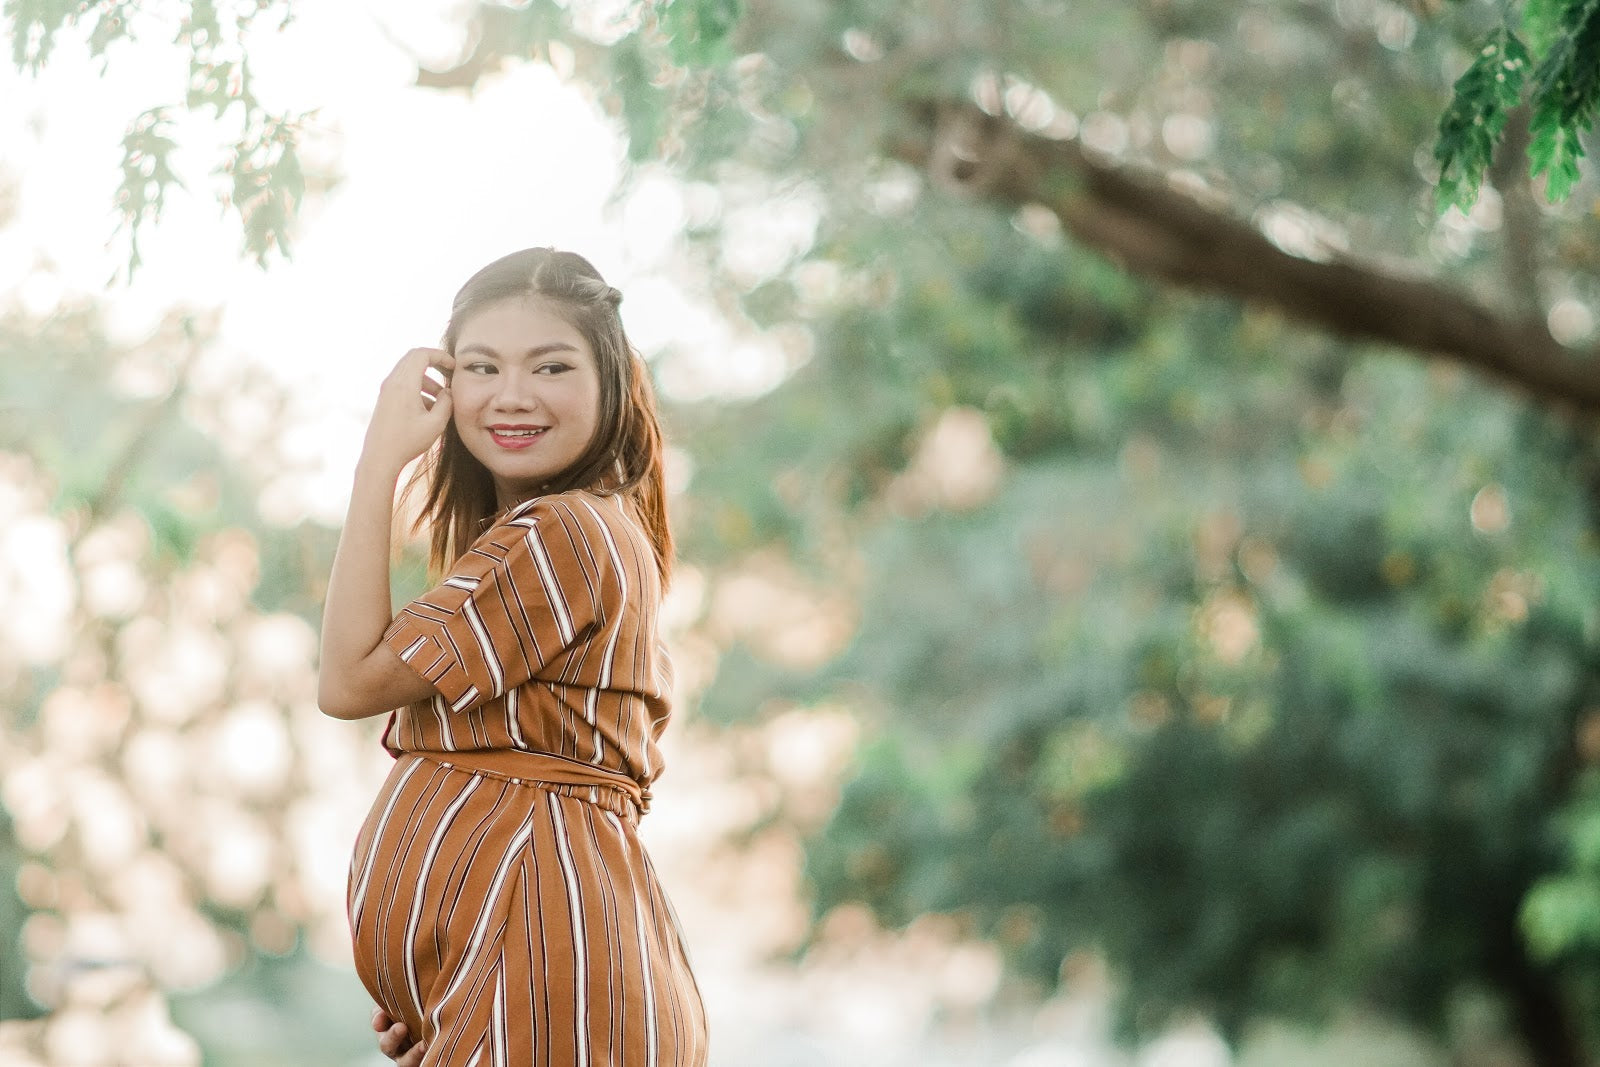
(1520, 213)
(1541, 1015)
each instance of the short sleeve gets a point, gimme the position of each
(527, 591)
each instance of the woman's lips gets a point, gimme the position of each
(517, 438)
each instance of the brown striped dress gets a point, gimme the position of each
(501, 903)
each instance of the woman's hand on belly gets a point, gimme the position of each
(395, 1042)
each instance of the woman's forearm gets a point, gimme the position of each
(359, 676)
(358, 608)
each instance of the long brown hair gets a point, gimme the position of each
(623, 459)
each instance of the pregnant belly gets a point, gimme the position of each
(438, 847)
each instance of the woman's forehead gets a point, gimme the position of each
(518, 322)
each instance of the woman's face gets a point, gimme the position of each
(526, 394)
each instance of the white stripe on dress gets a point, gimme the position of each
(447, 740)
(497, 676)
(499, 1051)
(610, 655)
(580, 947)
(512, 725)
(552, 587)
(359, 897)
(415, 918)
(652, 1039)
(480, 928)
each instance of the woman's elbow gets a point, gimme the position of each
(373, 686)
(336, 701)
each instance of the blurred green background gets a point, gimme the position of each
(1143, 609)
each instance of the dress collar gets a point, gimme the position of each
(517, 510)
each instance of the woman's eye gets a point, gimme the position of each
(479, 368)
(554, 368)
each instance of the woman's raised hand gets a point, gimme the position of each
(413, 407)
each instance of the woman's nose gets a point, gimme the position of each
(518, 391)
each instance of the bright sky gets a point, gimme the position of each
(434, 185)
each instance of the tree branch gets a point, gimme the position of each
(1141, 221)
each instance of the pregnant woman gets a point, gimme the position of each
(503, 909)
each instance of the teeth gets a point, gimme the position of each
(517, 433)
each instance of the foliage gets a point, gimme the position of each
(697, 31)
(1561, 916)
(263, 177)
(1564, 99)
(14, 1000)
(146, 174)
(1472, 126)
(674, 48)
(1261, 669)
(259, 159)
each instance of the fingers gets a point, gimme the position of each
(435, 374)
(414, 362)
(413, 408)
(425, 365)
(424, 356)
(438, 407)
(432, 362)
(395, 1041)
(432, 389)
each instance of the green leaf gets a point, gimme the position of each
(201, 30)
(1554, 151)
(217, 85)
(110, 27)
(1566, 94)
(1542, 23)
(267, 184)
(146, 175)
(644, 106)
(1560, 915)
(34, 24)
(698, 30)
(1471, 126)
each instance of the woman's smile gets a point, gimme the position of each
(517, 437)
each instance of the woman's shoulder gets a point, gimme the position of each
(581, 513)
(577, 535)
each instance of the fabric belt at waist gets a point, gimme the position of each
(541, 767)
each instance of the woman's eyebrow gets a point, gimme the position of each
(483, 349)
